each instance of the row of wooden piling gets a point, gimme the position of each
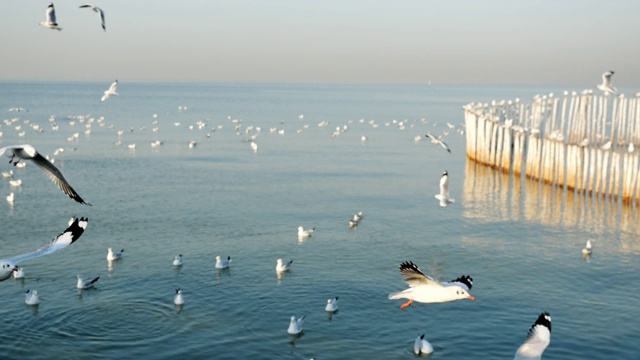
(582, 142)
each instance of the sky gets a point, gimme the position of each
(489, 42)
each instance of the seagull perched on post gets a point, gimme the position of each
(99, 11)
(111, 91)
(50, 19)
(28, 152)
(606, 85)
(68, 237)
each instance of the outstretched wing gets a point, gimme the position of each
(56, 176)
(538, 339)
(464, 281)
(68, 237)
(412, 275)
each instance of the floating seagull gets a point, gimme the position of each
(177, 261)
(254, 147)
(537, 340)
(10, 198)
(332, 305)
(437, 141)
(302, 233)
(50, 19)
(222, 264)
(358, 216)
(7, 174)
(31, 297)
(28, 152)
(422, 346)
(112, 91)
(295, 326)
(178, 299)
(587, 248)
(111, 256)
(282, 267)
(15, 183)
(606, 85)
(85, 284)
(18, 273)
(353, 223)
(443, 196)
(68, 237)
(99, 11)
(425, 289)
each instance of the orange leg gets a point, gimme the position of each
(406, 305)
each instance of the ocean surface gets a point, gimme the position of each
(520, 241)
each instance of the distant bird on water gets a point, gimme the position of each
(282, 266)
(99, 11)
(421, 346)
(85, 284)
(28, 152)
(111, 256)
(587, 248)
(177, 261)
(222, 264)
(606, 85)
(295, 326)
(50, 18)
(178, 299)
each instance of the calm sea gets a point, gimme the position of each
(520, 241)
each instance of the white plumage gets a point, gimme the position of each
(295, 326)
(538, 339)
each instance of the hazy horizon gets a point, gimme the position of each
(355, 42)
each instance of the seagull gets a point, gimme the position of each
(50, 19)
(332, 305)
(177, 261)
(353, 223)
(358, 216)
(28, 152)
(99, 11)
(443, 196)
(295, 326)
(111, 91)
(222, 264)
(302, 233)
(587, 248)
(111, 256)
(254, 147)
(422, 346)
(437, 141)
(178, 299)
(282, 267)
(31, 297)
(10, 198)
(425, 289)
(15, 183)
(66, 238)
(85, 284)
(606, 86)
(18, 273)
(537, 340)
(7, 174)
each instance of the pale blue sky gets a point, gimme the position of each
(448, 42)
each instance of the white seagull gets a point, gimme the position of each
(421, 346)
(443, 196)
(99, 11)
(178, 299)
(222, 264)
(7, 174)
(295, 326)
(332, 305)
(606, 85)
(177, 261)
(437, 141)
(112, 91)
(68, 237)
(10, 198)
(31, 297)
(18, 273)
(282, 266)
(587, 248)
(111, 256)
(85, 284)
(28, 152)
(302, 233)
(358, 216)
(425, 289)
(538, 339)
(50, 19)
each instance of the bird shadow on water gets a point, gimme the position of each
(294, 338)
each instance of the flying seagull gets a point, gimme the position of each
(443, 196)
(606, 85)
(111, 91)
(99, 11)
(68, 237)
(28, 152)
(50, 19)
(437, 141)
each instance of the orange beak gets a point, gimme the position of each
(471, 297)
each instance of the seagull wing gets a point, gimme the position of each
(538, 339)
(412, 275)
(113, 87)
(51, 14)
(464, 281)
(445, 146)
(104, 26)
(56, 176)
(68, 237)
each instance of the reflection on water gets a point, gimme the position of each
(493, 196)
